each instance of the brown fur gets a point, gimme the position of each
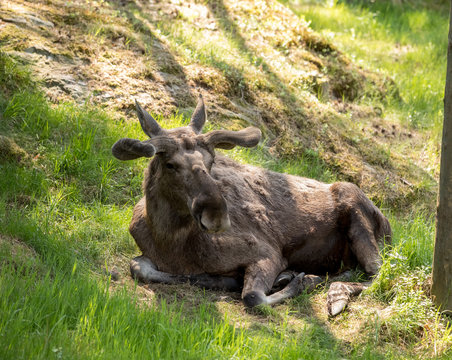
(277, 221)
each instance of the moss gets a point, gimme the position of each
(319, 44)
(13, 37)
(210, 79)
(308, 56)
(10, 151)
(346, 83)
(117, 34)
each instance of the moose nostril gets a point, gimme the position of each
(206, 224)
(203, 227)
(199, 170)
(213, 222)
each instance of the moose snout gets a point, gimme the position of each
(213, 218)
(208, 206)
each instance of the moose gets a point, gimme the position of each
(217, 223)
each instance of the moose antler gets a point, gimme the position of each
(149, 125)
(199, 116)
(227, 139)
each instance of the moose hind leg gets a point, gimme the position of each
(145, 271)
(364, 247)
(361, 234)
(340, 292)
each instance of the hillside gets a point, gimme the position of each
(255, 64)
(70, 72)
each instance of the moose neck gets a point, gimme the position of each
(169, 221)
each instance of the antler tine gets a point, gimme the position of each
(199, 116)
(149, 125)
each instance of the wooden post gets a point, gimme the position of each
(442, 259)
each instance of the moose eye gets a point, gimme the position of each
(170, 166)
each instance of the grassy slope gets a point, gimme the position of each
(406, 43)
(70, 225)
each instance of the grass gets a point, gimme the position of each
(65, 207)
(407, 43)
(391, 39)
(70, 315)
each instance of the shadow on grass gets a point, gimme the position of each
(295, 322)
(159, 53)
(231, 31)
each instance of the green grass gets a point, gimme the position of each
(407, 43)
(51, 304)
(69, 204)
(68, 315)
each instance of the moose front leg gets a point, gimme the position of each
(145, 271)
(259, 279)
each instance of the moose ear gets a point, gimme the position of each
(148, 123)
(199, 116)
(129, 149)
(226, 139)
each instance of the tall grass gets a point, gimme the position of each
(403, 283)
(407, 43)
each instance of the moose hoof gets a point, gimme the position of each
(253, 299)
(296, 287)
(336, 307)
(339, 296)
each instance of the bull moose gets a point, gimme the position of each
(207, 219)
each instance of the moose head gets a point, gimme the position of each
(182, 163)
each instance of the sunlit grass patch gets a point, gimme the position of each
(405, 42)
(411, 320)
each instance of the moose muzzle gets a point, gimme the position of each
(208, 206)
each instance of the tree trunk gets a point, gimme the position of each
(442, 260)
